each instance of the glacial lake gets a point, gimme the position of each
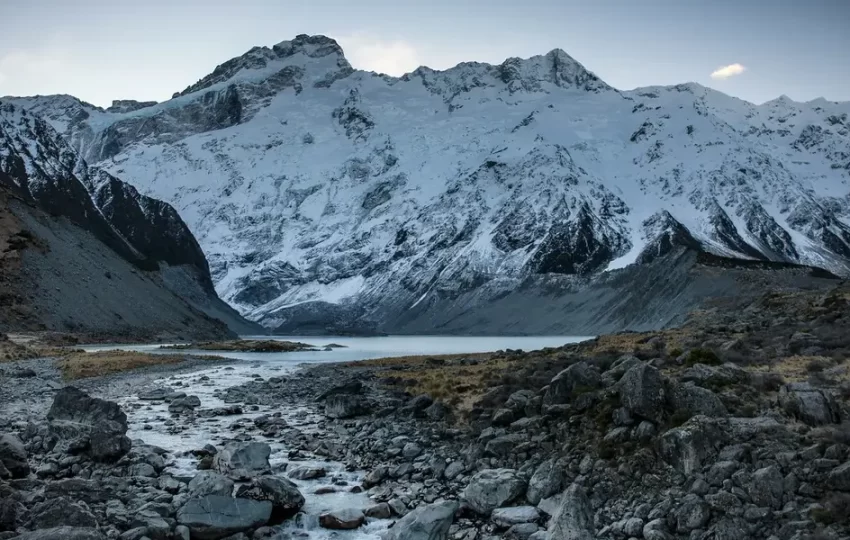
(366, 348)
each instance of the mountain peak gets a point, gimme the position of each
(259, 59)
(556, 67)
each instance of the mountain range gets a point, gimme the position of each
(525, 197)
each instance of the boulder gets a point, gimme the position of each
(696, 400)
(345, 406)
(504, 445)
(808, 404)
(184, 405)
(578, 377)
(63, 533)
(379, 511)
(767, 487)
(507, 517)
(307, 473)
(689, 446)
(214, 517)
(545, 482)
(642, 392)
(694, 513)
(354, 387)
(82, 423)
(12, 514)
(242, 461)
(58, 512)
(493, 488)
(284, 495)
(210, 483)
(431, 522)
(13, 456)
(574, 518)
(345, 519)
(839, 477)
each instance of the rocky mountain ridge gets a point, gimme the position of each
(48, 187)
(339, 195)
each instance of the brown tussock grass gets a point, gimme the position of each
(83, 365)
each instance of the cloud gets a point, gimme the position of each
(728, 71)
(375, 54)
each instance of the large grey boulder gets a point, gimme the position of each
(243, 461)
(342, 520)
(63, 533)
(839, 477)
(13, 456)
(545, 482)
(642, 392)
(493, 488)
(574, 518)
(82, 423)
(283, 494)
(808, 404)
(210, 483)
(689, 446)
(214, 517)
(578, 377)
(184, 405)
(696, 400)
(345, 406)
(767, 487)
(58, 512)
(431, 522)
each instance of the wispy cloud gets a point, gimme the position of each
(728, 71)
(393, 57)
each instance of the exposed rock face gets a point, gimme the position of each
(493, 488)
(431, 522)
(85, 424)
(61, 512)
(243, 461)
(214, 517)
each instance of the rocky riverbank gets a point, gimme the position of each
(734, 426)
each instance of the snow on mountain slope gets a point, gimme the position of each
(305, 180)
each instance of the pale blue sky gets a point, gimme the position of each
(101, 50)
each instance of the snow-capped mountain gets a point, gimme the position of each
(314, 187)
(38, 167)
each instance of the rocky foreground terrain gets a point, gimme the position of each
(734, 426)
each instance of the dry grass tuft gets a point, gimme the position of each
(800, 368)
(81, 365)
(11, 351)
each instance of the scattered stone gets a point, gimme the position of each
(307, 473)
(63, 533)
(345, 406)
(284, 495)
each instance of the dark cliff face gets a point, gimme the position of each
(153, 227)
(40, 167)
(37, 164)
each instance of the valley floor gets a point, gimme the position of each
(735, 425)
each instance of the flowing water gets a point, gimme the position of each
(153, 424)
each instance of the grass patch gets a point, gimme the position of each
(243, 345)
(82, 365)
(799, 368)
